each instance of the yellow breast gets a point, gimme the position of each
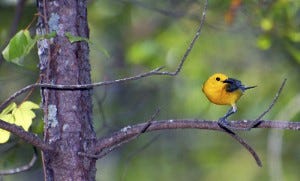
(215, 90)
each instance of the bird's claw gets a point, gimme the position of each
(224, 124)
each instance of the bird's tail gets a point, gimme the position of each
(250, 87)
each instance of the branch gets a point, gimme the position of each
(22, 168)
(114, 147)
(245, 145)
(191, 45)
(257, 121)
(24, 135)
(129, 132)
(76, 86)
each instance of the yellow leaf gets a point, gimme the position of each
(9, 108)
(4, 135)
(23, 118)
(23, 114)
(27, 105)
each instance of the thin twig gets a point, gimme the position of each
(30, 92)
(114, 147)
(191, 45)
(247, 146)
(257, 120)
(149, 122)
(22, 168)
(76, 86)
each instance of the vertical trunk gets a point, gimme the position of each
(68, 113)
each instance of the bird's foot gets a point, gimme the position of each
(224, 124)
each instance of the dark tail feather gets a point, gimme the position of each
(250, 87)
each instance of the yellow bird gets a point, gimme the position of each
(222, 90)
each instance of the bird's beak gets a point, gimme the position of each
(229, 81)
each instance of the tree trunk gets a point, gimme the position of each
(67, 113)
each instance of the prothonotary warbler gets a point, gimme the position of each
(222, 90)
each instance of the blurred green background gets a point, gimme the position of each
(257, 42)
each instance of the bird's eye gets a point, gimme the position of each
(218, 79)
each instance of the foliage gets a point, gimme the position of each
(21, 115)
(20, 45)
(280, 27)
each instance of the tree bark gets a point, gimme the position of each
(67, 113)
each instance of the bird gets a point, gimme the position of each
(222, 90)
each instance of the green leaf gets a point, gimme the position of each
(47, 36)
(73, 39)
(21, 44)
(18, 47)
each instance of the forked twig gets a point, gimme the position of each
(258, 119)
(114, 147)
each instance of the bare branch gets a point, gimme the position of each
(114, 147)
(191, 45)
(24, 135)
(76, 86)
(129, 132)
(247, 146)
(257, 121)
(22, 168)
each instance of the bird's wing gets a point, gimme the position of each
(233, 85)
